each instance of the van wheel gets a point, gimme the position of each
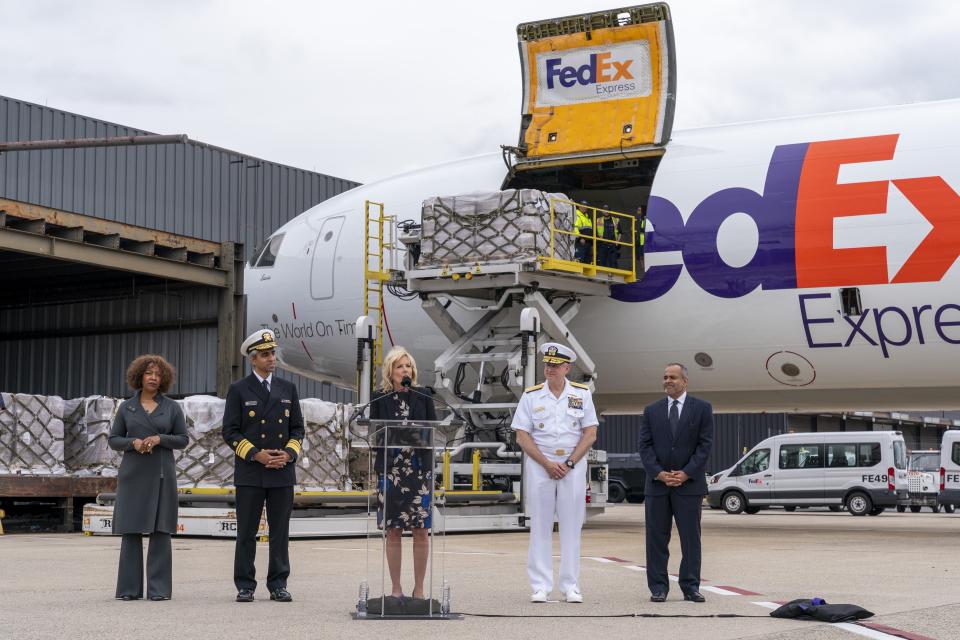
(616, 492)
(859, 504)
(935, 508)
(791, 508)
(901, 508)
(751, 510)
(734, 502)
(949, 508)
(915, 508)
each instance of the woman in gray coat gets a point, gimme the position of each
(147, 428)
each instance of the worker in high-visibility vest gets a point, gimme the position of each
(583, 248)
(641, 234)
(608, 228)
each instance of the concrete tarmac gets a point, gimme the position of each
(903, 567)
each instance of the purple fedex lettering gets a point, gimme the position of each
(773, 266)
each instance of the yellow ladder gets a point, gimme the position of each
(378, 242)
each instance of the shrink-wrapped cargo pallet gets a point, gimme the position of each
(31, 435)
(494, 227)
(322, 463)
(87, 423)
(207, 461)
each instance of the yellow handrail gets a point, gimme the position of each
(590, 268)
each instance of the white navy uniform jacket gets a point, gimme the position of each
(556, 424)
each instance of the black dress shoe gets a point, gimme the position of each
(245, 595)
(658, 596)
(159, 598)
(694, 596)
(281, 595)
(128, 598)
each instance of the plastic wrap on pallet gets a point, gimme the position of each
(205, 411)
(31, 435)
(322, 463)
(207, 461)
(87, 423)
(494, 227)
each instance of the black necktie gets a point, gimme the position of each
(266, 386)
(674, 417)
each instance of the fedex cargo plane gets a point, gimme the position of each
(794, 264)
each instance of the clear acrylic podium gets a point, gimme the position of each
(405, 524)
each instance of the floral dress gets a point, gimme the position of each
(403, 494)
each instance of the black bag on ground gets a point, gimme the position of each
(818, 609)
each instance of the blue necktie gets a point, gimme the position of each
(266, 386)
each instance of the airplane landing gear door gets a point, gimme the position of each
(322, 271)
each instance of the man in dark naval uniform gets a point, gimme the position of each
(263, 424)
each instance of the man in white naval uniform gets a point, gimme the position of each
(556, 424)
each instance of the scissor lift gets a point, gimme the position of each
(495, 316)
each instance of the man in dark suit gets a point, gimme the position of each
(263, 424)
(675, 439)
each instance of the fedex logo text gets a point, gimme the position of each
(600, 69)
(609, 72)
(795, 215)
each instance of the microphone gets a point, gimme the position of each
(358, 410)
(407, 385)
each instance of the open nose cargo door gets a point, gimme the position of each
(596, 86)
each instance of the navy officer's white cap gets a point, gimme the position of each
(261, 340)
(556, 353)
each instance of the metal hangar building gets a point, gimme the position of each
(108, 252)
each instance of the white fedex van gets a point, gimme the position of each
(950, 469)
(865, 471)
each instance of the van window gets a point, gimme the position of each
(756, 462)
(800, 456)
(955, 454)
(899, 454)
(841, 455)
(869, 454)
(268, 256)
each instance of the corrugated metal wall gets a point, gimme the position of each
(182, 189)
(734, 433)
(178, 188)
(72, 364)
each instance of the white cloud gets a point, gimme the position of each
(366, 92)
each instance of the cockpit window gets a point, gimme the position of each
(268, 255)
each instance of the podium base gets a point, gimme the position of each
(405, 609)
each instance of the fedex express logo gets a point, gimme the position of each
(794, 215)
(594, 74)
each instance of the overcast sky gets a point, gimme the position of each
(366, 90)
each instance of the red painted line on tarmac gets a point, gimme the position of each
(743, 592)
(892, 631)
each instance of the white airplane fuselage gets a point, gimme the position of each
(753, 232)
